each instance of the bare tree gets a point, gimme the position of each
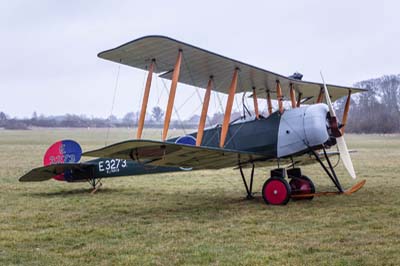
(157, 113)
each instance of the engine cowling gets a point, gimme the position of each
(301, 128)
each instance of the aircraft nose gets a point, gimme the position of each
(315, 124)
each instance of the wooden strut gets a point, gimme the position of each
(269, 102)
(279, 96)
(172, 92)
(292, 96)
(299, 99)
(228, 109)
(346, 112)
(255, 103)
(145, 100)
(320, 95)
(204, 111)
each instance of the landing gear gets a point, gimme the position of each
(276, 191)
(249, 188)
(95, 183)
(331, 171)
(302, 185)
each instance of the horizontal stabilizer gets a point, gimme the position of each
(47, 172)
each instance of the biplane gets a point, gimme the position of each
(302, 131)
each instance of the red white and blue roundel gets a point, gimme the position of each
(64, 151)
(186, 140)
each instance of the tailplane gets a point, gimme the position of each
(59, 161)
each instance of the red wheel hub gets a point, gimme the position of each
(275, 192)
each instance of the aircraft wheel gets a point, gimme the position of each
(276, 191)
(302, 185)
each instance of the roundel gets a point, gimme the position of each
(186, 140)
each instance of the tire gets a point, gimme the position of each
(302, 185)
(276, 191)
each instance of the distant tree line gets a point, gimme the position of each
(153, 120)
(374, 111)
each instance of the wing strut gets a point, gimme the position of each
(346, 112)
(299, 99)
(145, 100)
(269, 102)
(279, 96)
(204, 111)
(172, 92)
(320, 95)
(255, 103)
(228, 109)
(292, 96)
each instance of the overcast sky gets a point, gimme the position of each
(48, 49)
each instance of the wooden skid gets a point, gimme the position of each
(96, 188)
(350, 191)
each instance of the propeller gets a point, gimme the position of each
(344, 152)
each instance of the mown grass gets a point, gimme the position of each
(194, 218)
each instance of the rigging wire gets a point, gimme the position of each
(220, 103)
(236, 99)
(234, 134)
(175, 110)
(195, 85)
(159, 91)
(140, 101)
(112, 104)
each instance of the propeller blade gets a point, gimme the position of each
(345, 156)
(328, 98)
(344, 152)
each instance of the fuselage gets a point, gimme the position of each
(279, 135)
(293, 132)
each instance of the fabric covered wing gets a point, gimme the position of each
(199, 64)
(47, 172)
(176, 155)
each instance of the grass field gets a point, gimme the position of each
(194, 218)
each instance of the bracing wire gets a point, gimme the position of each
(140, 101)
(236, 100)
(159, 92)
(220, 103)
(175, 110)
(112, 104)
(191, 77)
(234, 134)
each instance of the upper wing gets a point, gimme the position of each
(176, 155)
(199, 64)
(47, 172)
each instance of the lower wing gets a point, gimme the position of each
(180, 155)
(177, 155)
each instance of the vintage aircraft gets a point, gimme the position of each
(286, 138)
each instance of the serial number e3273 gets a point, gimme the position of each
(111, 165)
